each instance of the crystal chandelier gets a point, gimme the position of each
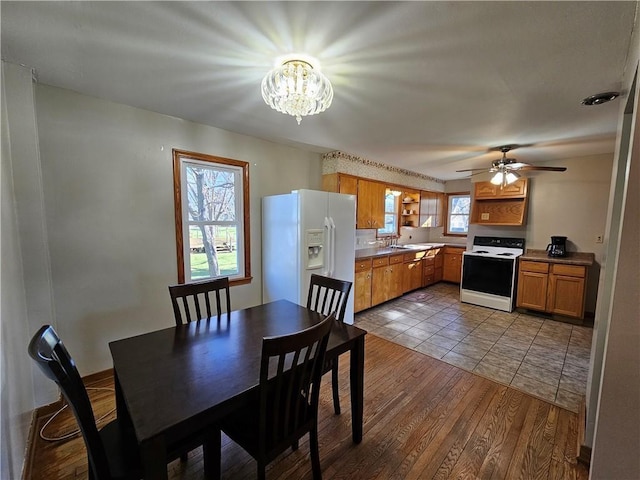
(297, 89)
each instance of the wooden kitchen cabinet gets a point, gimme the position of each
(439, 264)
(552, 288)
(370, 204)
(496, 205)
(533, 280)
(431, 209)
(412, 276)
(340, 183)
(452, 264)
(362, 285)
(432, 266)
(387, 279)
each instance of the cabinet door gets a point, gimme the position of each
(370, 204)
(395, 281)
(362, 290)
(348, 185)
(412, 275)
(566, 295)
(532, 290)
(452, 266)
(379, 285)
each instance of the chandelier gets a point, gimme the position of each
(297, 89)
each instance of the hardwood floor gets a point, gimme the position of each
(424, 419)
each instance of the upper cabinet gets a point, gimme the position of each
(431, 209)
(410, 209)
(370, 208)
(496, 205)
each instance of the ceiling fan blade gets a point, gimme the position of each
(472, 170)
(548, 169)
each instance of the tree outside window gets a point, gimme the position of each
(211, 217)
(459, 207)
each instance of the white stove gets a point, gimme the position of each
(489, 272)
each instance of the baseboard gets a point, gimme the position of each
(45, 411)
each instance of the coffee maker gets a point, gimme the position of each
(557, 247)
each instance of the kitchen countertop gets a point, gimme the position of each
(382, 251)
(572, 258)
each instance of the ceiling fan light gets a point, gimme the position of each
(511, 177)
(497, 178)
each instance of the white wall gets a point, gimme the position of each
(107, 182)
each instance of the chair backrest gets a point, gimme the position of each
(328, 295)
(54, 360)
(290, 375)
(196, 299)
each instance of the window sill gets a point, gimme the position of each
(240, 281)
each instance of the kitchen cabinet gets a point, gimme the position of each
(370, 204)
(340, 183)
(412, 276)
(431, 209)
(362, 285)
(555, 288)
(500, 205)
(452, 264)
(432, 266)
(410, 209)
(386, 280)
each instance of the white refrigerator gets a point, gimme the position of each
(305, 232)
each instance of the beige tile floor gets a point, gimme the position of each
(542, 357)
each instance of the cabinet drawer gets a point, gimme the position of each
(363, 265)
(393, 259)
(411, 257)
(429, 260)
(380, 261)
(429, 269)
(568, 270)
(538, 267)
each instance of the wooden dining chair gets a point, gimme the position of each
(196, 299)
(285, 408)
(112, 451)
(329, 295)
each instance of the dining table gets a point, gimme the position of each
(174, 383)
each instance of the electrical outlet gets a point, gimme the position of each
(599, 239)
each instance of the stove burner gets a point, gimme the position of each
(505, 254)
(480, 251)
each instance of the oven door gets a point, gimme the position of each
(488, 274)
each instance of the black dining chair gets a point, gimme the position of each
(285, 407)
(329, 295)
(112, 451)
(196, 299)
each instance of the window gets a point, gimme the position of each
(390, 213)
(212, 217)
(457, 218)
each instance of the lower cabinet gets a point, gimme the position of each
(362, 285)
(432, 266)
(386, 280)
(412, 276)
(552, 288)
(452, 266)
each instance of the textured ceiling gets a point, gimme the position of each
(426, 86)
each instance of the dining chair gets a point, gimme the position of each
(329, 295)
(285, 407)
(112, 451)
(196, 299)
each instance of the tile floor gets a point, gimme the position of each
(542, 357)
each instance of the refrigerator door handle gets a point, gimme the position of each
(332, 250)
(327, 249)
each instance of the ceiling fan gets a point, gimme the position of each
(506, 169)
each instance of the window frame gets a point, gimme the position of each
(395, 214)
(447, 222)
(181, 156)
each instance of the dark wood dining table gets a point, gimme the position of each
(173, 383)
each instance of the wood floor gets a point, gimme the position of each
(423, 419)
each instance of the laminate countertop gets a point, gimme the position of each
(382, 251)
(572, 258)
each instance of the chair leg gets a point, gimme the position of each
(334, 385)
(262, 470)
(315, 454)
(184, 457)
(295, 445)
(211, 453)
